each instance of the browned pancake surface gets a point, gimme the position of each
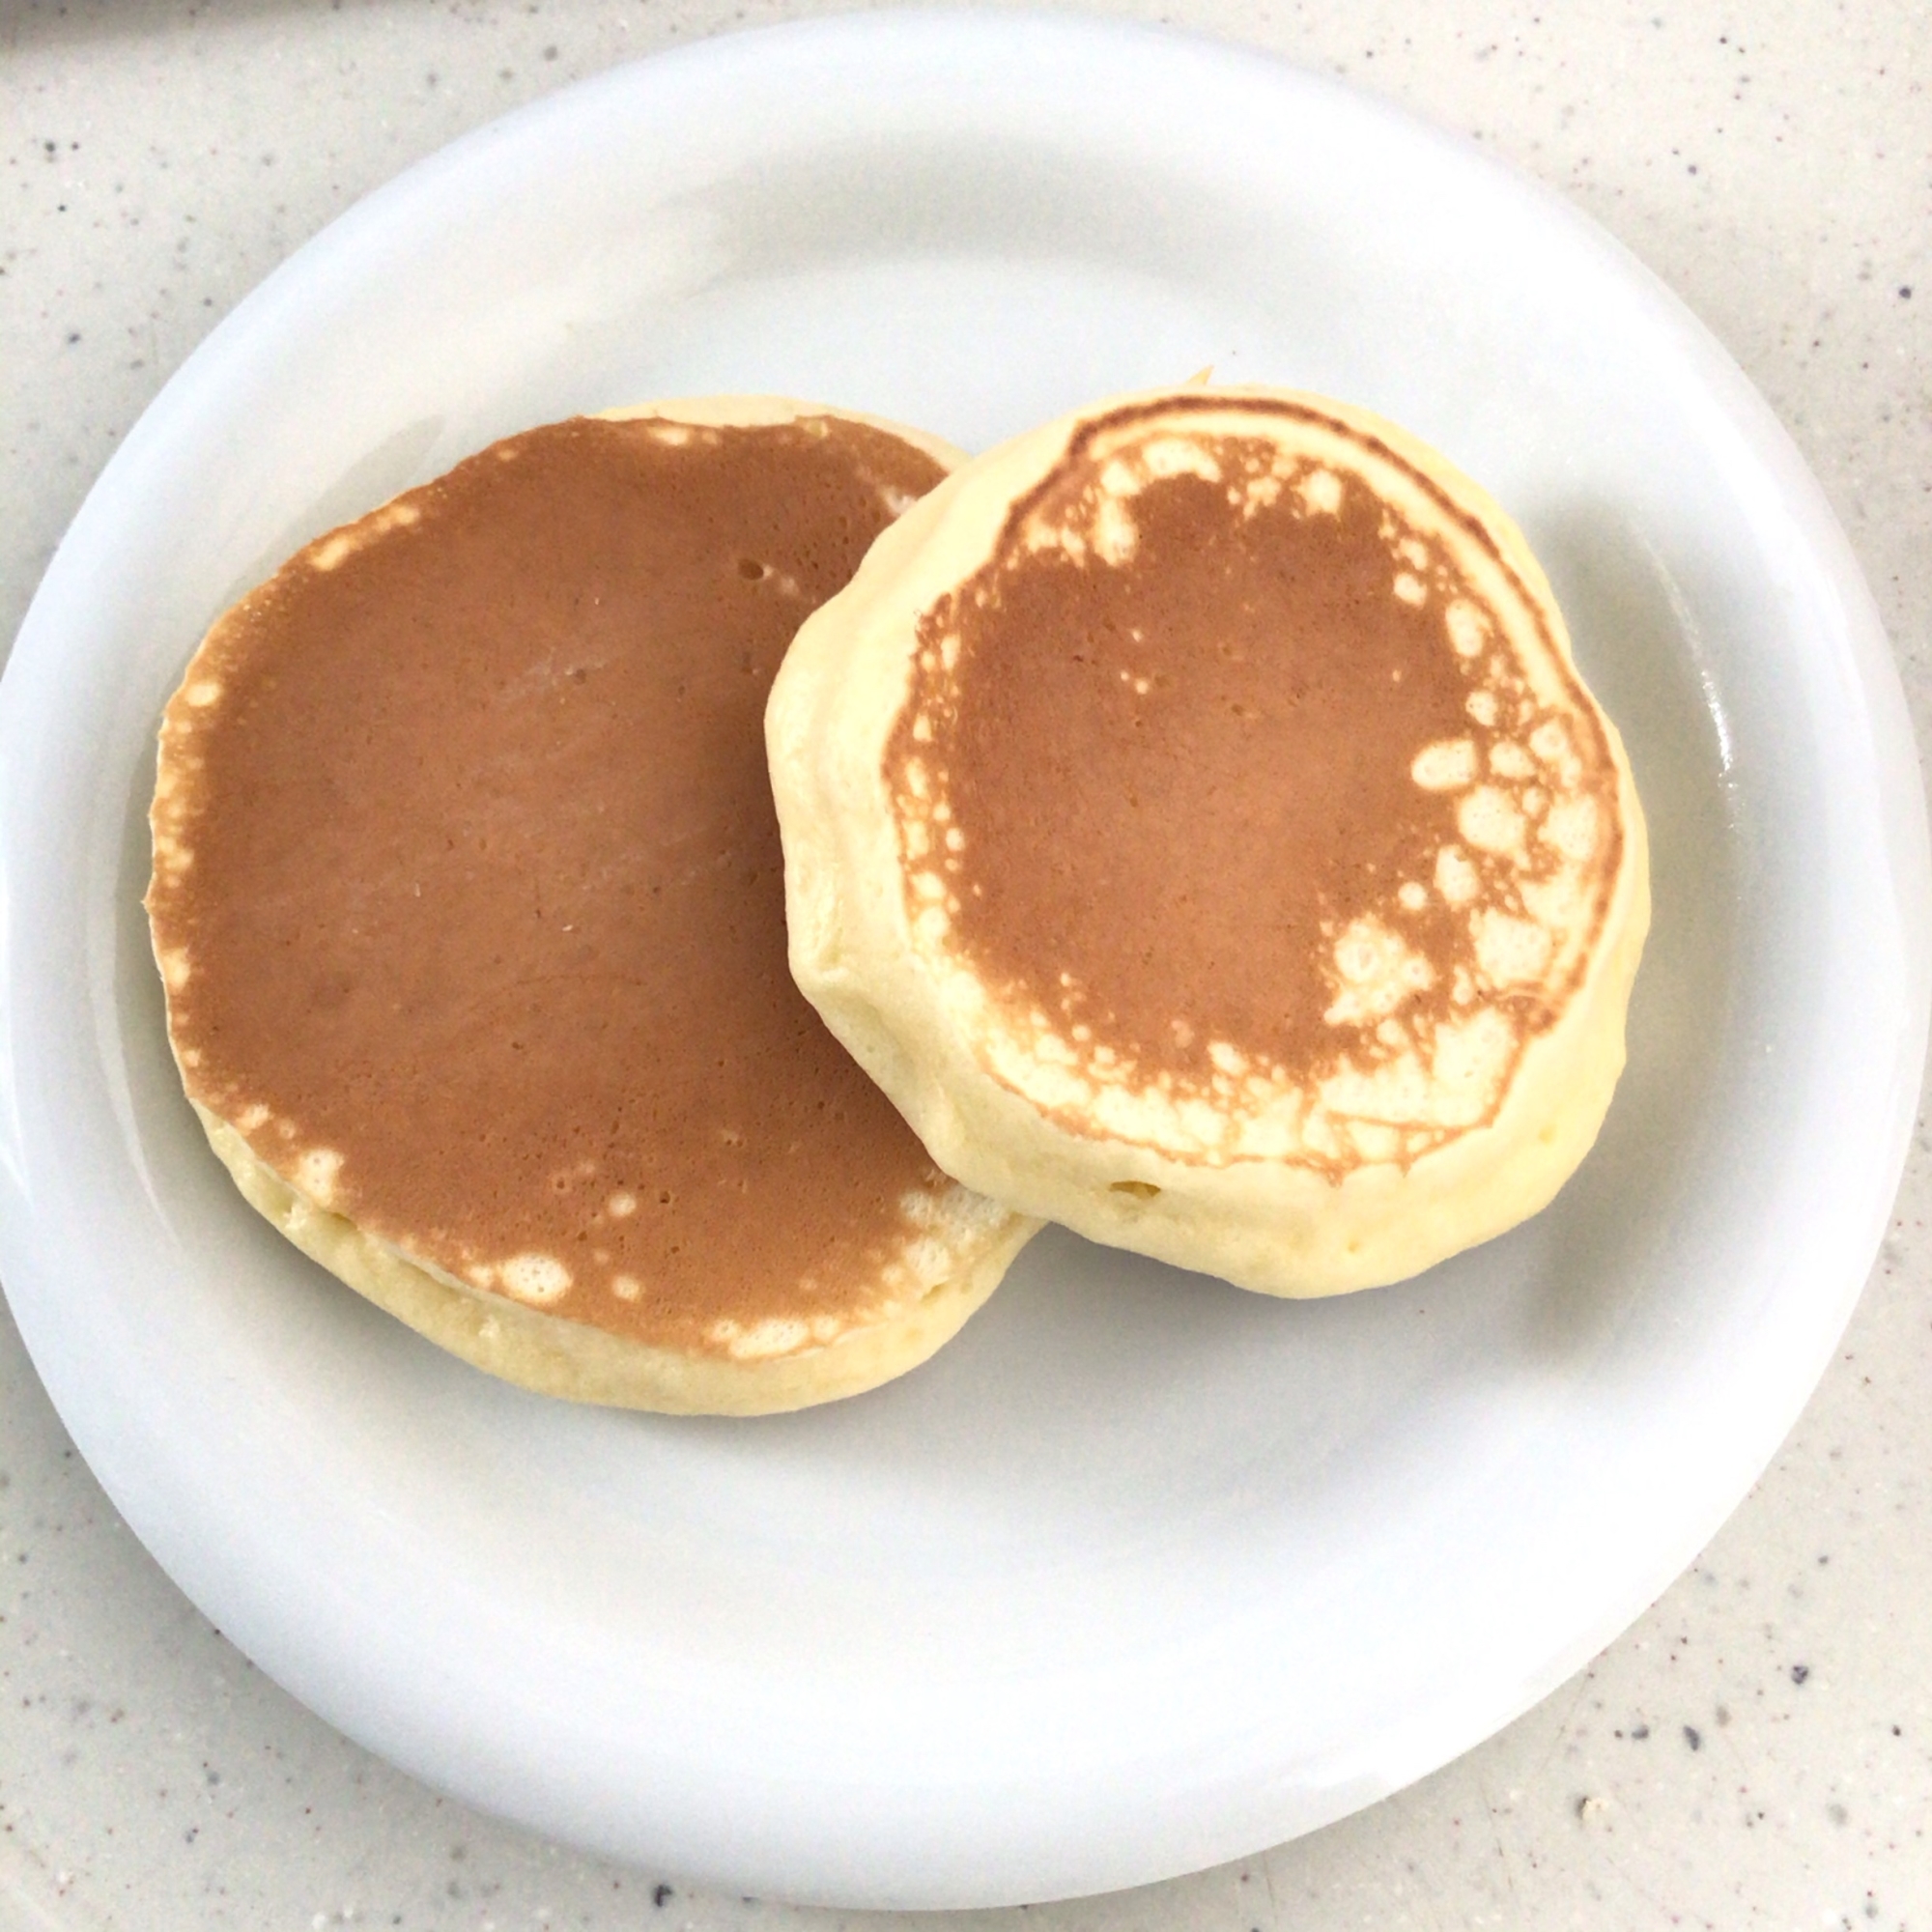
(1215, 776)
(469, 891)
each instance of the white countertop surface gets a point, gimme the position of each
(1756, 1750)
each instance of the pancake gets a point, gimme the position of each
(1194, 820)
(468, 898)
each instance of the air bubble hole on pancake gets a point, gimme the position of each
(467, 900)
(1201, 786)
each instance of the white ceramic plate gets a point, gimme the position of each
(1143, 1573)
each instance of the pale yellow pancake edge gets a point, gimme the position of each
(555, 1357)
(766, 412)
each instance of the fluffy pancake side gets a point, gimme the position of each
(1195, 821)
(467, 897)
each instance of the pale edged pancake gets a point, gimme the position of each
(1195, 821)
(468, 898)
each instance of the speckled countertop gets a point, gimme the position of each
(1757, 1751)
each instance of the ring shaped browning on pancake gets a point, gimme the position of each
(1267, 886)
(467, 900)
(1340, 963)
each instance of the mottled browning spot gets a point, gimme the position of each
(1235, 821)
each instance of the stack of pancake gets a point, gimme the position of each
(1185, 822)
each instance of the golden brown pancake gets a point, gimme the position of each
(1195, 821)
(467, 897)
